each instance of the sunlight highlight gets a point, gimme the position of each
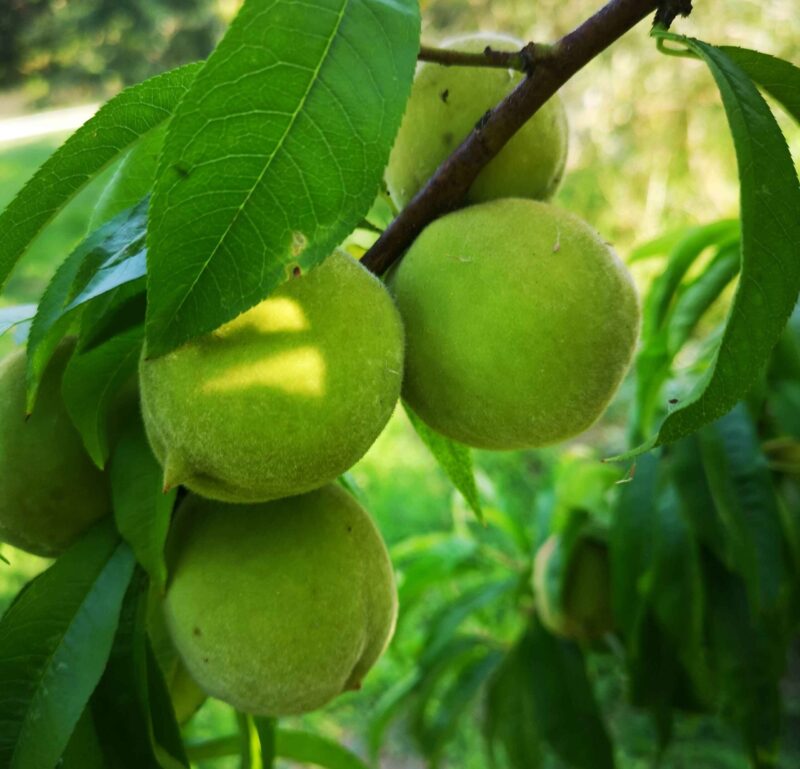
(270, 316)
(295, 372)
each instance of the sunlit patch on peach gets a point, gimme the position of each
(271, 316)
(296, 372)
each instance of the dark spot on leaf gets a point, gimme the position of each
(296, 271)
(444, 95)
(182, 170)
(197, 632)
(673, 401)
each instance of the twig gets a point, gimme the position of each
(447, 188)
(523, 60)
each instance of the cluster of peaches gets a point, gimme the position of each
(508, 324)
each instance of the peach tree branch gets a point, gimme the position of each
(523, 60)
(447, 188)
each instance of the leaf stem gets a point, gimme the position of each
(663, 37)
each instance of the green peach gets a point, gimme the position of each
(520, 324)
(445, 105)
(277, 608)
(50, 491)
(583, 610)
(285, 397)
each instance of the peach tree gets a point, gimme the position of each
(299, 232)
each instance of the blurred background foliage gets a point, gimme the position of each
(650, 154)
(63, 50)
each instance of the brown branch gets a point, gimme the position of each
(447, 188)
(523, 60)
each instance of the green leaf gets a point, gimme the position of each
(387, 709)
(790, 515)
(510, 723)
(785, 363)
(660, 246)
(454, 458)
(112, 314)
(785, 406)
(250, 756)
(674, 585)
(742, 487)
(431, 667)
(258, 741)
(167, 740)
(106, 259)
(382, 212)
(657, 593)
(121, 703)
(266, 729)
(699, 295)
(51, 323)
(681, 257)
(416, 695)
(141, 509)
(92, 385)
(435, 732)
(750, 661)
(657, 679)
(770, 272)
(445, 623)
(15, 315)
(695, 498)
(433, 567)
(566, 713)
(581, 483)
(654, 361)
(779, 78)
(54, 642)
(125, 263)
(83, 750)
(303, 747)
(116, 125)
(296, 746)
(630, 543)
(274, 156)
(133, 180)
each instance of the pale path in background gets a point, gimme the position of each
(43, 123)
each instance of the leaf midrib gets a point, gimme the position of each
(279, 145)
